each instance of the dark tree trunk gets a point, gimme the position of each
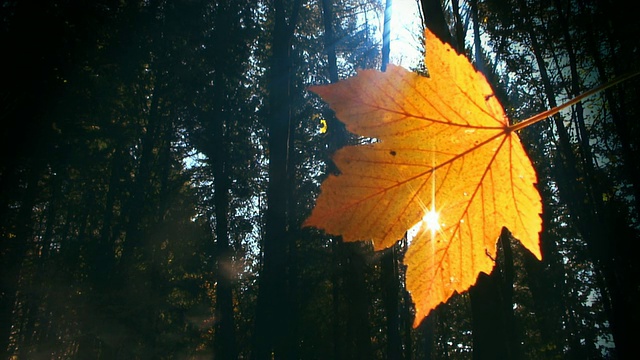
(13, 258)
(102, 256)
(358, 302)
(339, 343)
(225, 342)
(506, 280)
(335, 142)
(407, 304)
(391, 292)
(273, 325)
(337, 134)
(477, 43)
(135, 207)
(427, 330)
(389, 266)
(433, 17)
(329, 40)
(489, 332)
(336, 139)
(546, 280)
(493, 327)
(100, 260)
(293, 260)
(458, 26)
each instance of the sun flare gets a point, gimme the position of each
(431, 220)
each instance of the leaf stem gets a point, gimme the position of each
(545, 114)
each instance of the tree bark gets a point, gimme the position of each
(546, 281)
(386, 35)
(390, 284)
(329, 40)
(488, 328)
(358, 301)
(225, 342)
(337, 133)
(13, 259)
(135, 207)
(336, 138)
(459, 35)
(477, 44)
(391, 292)
(492, 309)
(273, 335)
(433, 17)
(427, 329)
(507, 282)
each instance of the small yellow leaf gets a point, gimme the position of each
(323, 126)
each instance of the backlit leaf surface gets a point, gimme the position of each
(443, 145)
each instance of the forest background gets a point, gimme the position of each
(158, 158)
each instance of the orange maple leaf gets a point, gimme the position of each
(445, 162)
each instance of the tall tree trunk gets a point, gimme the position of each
(293, 260)
(329, 40)
(339, 343)
(492, 309)
(102, 256)
(336, 137)
(272, 336)
(427, 330)
(135, 207)
(100, 259)
(225, 342)
(546, 280)
(337, 133)
(389, 266)
(46, 269)
(391, 291)
(333, 125)
(459, 35)
(489, 333)
(407, 318)
(477, 43)
(358, 302)
(433, 17)
(507, 282)
(386, 35)
(13, 258)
